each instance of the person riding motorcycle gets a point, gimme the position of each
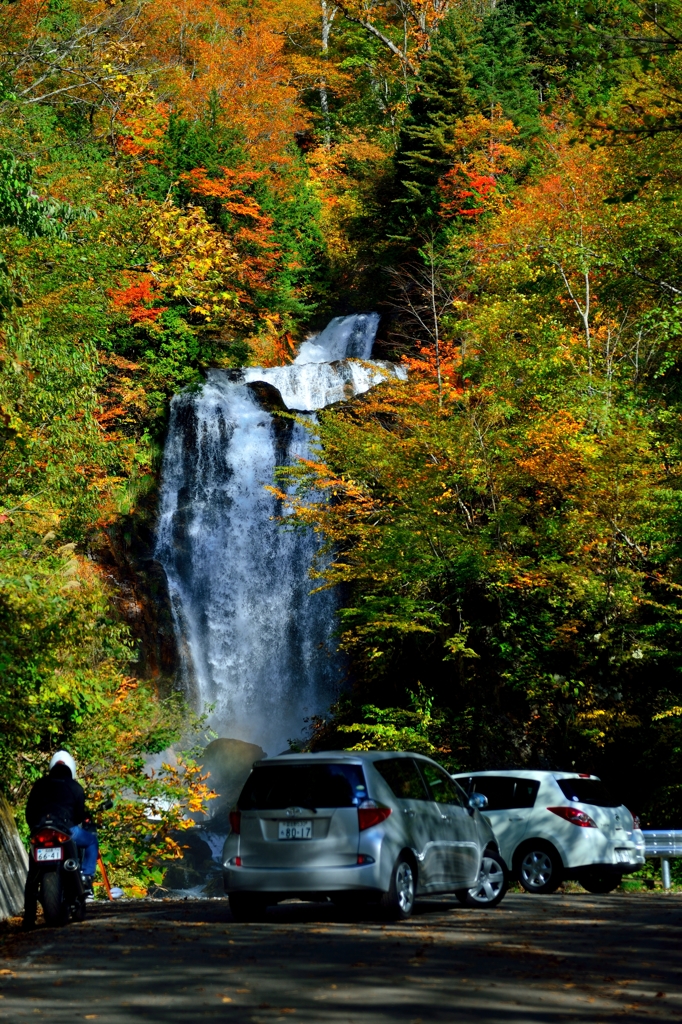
(58, 795)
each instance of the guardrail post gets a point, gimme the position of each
(665, 872)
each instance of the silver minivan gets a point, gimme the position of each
(380, 826)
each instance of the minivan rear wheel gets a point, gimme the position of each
(539, 868)
(492, 883)
(398, 902)
(247, 906)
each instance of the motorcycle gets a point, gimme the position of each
(55, 874)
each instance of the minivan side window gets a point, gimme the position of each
(443, 789)
(402, 775)
(504, 792)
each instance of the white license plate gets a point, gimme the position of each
(623, 856)
(54, 853)
(295, 830)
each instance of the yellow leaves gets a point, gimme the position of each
(674, 712)
(556, 458)
(605, 723)
(196, 262)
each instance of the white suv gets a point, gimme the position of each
(551, 826)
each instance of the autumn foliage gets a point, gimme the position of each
(196, 185)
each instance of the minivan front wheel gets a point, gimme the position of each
(398, 902)
(540, 869)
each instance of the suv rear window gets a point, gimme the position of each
(587, 791)
(273, 787)
(504, 792)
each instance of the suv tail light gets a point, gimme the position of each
(636, 823)
(370, 814)
(50, 837)
(235, 821)
(573, 815)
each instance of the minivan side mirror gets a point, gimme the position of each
(478, 802)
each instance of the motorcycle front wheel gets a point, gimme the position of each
(53, 900)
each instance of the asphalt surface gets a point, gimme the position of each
(533, 959)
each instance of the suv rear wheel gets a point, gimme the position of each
(600, 882)
(539, 868)
(491, 886)
(398, 902)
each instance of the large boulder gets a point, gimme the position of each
(13, 864)
(229, 763)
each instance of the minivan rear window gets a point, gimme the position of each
(587, 791)
(273, 787)
(505, 792)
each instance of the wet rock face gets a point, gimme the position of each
(13, 864)
(125, 551)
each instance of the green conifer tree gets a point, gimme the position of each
(502, 72)
(425, 151)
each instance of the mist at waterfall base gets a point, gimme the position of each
(253, 641)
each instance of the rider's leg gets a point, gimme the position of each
(88, 842)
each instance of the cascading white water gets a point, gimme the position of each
(253, 641)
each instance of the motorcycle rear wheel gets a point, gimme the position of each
(52, 898)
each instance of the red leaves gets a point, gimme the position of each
(138, 299)
(465, 192)
(253, 237)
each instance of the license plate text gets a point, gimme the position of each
(54, 853)
(295, 830)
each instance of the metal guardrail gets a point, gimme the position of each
(663, 843)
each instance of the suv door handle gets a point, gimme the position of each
(445, 817)
(410, 814)
(518, 817)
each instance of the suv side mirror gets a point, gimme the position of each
(478, 802)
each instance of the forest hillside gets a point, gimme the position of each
(204, 184)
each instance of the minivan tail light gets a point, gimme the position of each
(236, 821)
(573, 815)
(370, 814)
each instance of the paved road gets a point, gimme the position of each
(534, 959)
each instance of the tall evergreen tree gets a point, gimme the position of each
(426, 141)
(502, 72)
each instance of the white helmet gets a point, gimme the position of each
(64, 757)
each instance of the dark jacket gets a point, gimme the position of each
(57, 795)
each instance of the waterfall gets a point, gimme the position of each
(254, 642)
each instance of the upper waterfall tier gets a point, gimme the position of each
(344, 337)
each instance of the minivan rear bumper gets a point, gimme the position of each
(299, 880)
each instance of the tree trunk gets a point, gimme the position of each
(328, 13)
